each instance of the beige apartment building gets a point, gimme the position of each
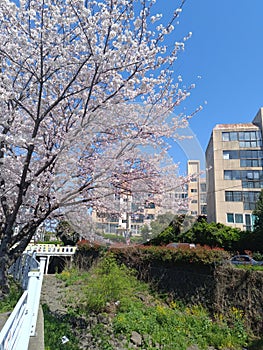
(196, 189)
(234, 172)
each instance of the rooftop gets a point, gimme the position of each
(237, 126)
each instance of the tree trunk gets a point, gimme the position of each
(4, 282)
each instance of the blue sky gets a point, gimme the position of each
(226, 50)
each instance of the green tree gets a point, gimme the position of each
(212, 234)
(254, 240)
(170, 227)
(145, 232)
(258, 212)
(161, 223)
(200, 232)
(66, 233)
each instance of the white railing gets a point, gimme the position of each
(21, 324)
(50, 249)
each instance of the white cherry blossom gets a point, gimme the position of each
(85, 88)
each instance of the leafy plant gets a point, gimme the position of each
(113, 283)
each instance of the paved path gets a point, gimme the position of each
(37, 342)
(3, 319)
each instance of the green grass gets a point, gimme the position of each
(176, 328)
(55, 328)
(109, 287)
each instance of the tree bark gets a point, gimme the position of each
(4, 282)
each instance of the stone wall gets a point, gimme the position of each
(220, 289)
(241, 289)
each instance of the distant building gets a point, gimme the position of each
(234, 158)
(131, 213)
(196, 189)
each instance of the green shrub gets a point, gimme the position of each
(114, 238)
(113, 283)
(199, 255)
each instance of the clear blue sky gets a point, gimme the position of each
(226, 50)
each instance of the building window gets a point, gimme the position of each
(225, 136)
(248, 158)
(229, 136)
(251, 163)
(203, 209)
(233, 196)
(232, 175)
(245, 138)
(203, 198)
(250, 154)
(249, 135)
(239, 218)
(233, 154)
(227, 175)
(252, 184)
(255, 175)
(249, 206)
(234, 218)
(194, 201)
(230, 218)
(203, 187)
(151, 205)
(250, 144)
(193, 190)
(150, 217)
(249, 198)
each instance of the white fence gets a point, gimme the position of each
(50, 250)
(21, 324)
(47, 249)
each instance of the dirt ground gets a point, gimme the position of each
(53, 294)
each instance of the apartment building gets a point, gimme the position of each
(234, 159)
(131, 213)
(196, 189)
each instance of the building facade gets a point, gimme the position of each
(196, 189)
(234, 160)
(131, 213)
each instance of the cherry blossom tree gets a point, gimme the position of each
(86, 89)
